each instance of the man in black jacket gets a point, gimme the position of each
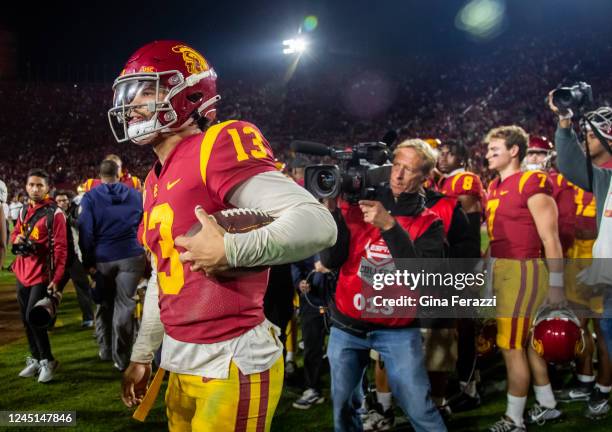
(394, 226)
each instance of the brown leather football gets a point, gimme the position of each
(237, 220)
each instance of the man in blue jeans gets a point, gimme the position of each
(395, 225)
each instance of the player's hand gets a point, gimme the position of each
(205, 251)
(556, 297)
(135, 383)
(374, 213)
(304, 287)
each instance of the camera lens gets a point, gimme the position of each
(326, 181)
(563, 98)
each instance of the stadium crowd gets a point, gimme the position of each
(62, 127)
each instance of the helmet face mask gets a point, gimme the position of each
(151, 99)
(544, 165)
(601, 118)
(539, 145)
(164, 87)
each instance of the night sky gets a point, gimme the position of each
(238, 36)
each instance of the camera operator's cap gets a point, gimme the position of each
(3, 192)
(602, 120)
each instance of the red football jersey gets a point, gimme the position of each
(201, 170)
(512, 230)
(461, 183)
(563, 193)
(586, 210)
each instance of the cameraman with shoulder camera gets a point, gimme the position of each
(572, 162)
(40, 243)
(396, 224)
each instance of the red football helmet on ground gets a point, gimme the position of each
(556, 335)
(179, 78)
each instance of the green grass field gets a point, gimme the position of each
(91, 388)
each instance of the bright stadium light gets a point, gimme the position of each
(293, 46)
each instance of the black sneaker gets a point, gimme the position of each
(506, 424)
(598, 405)
(576, 392)
(462, 401)
(540, 415)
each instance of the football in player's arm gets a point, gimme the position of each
(218, 345)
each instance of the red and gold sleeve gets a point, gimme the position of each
(230, 153)
(466, 184)
(534, 182)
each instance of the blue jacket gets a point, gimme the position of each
(108, 224)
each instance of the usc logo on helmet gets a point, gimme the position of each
(194, 61)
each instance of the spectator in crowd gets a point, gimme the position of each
(74, 266)
(40, 243)
(396, 225)
(108, 225)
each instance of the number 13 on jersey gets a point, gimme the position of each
(172, 280)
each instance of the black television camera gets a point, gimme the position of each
(359, 170)
(26, 248)
(575, 97)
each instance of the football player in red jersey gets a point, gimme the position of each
(522, 221)
(224, 357)
(466, 187)
(540, 155)
(124, 176)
